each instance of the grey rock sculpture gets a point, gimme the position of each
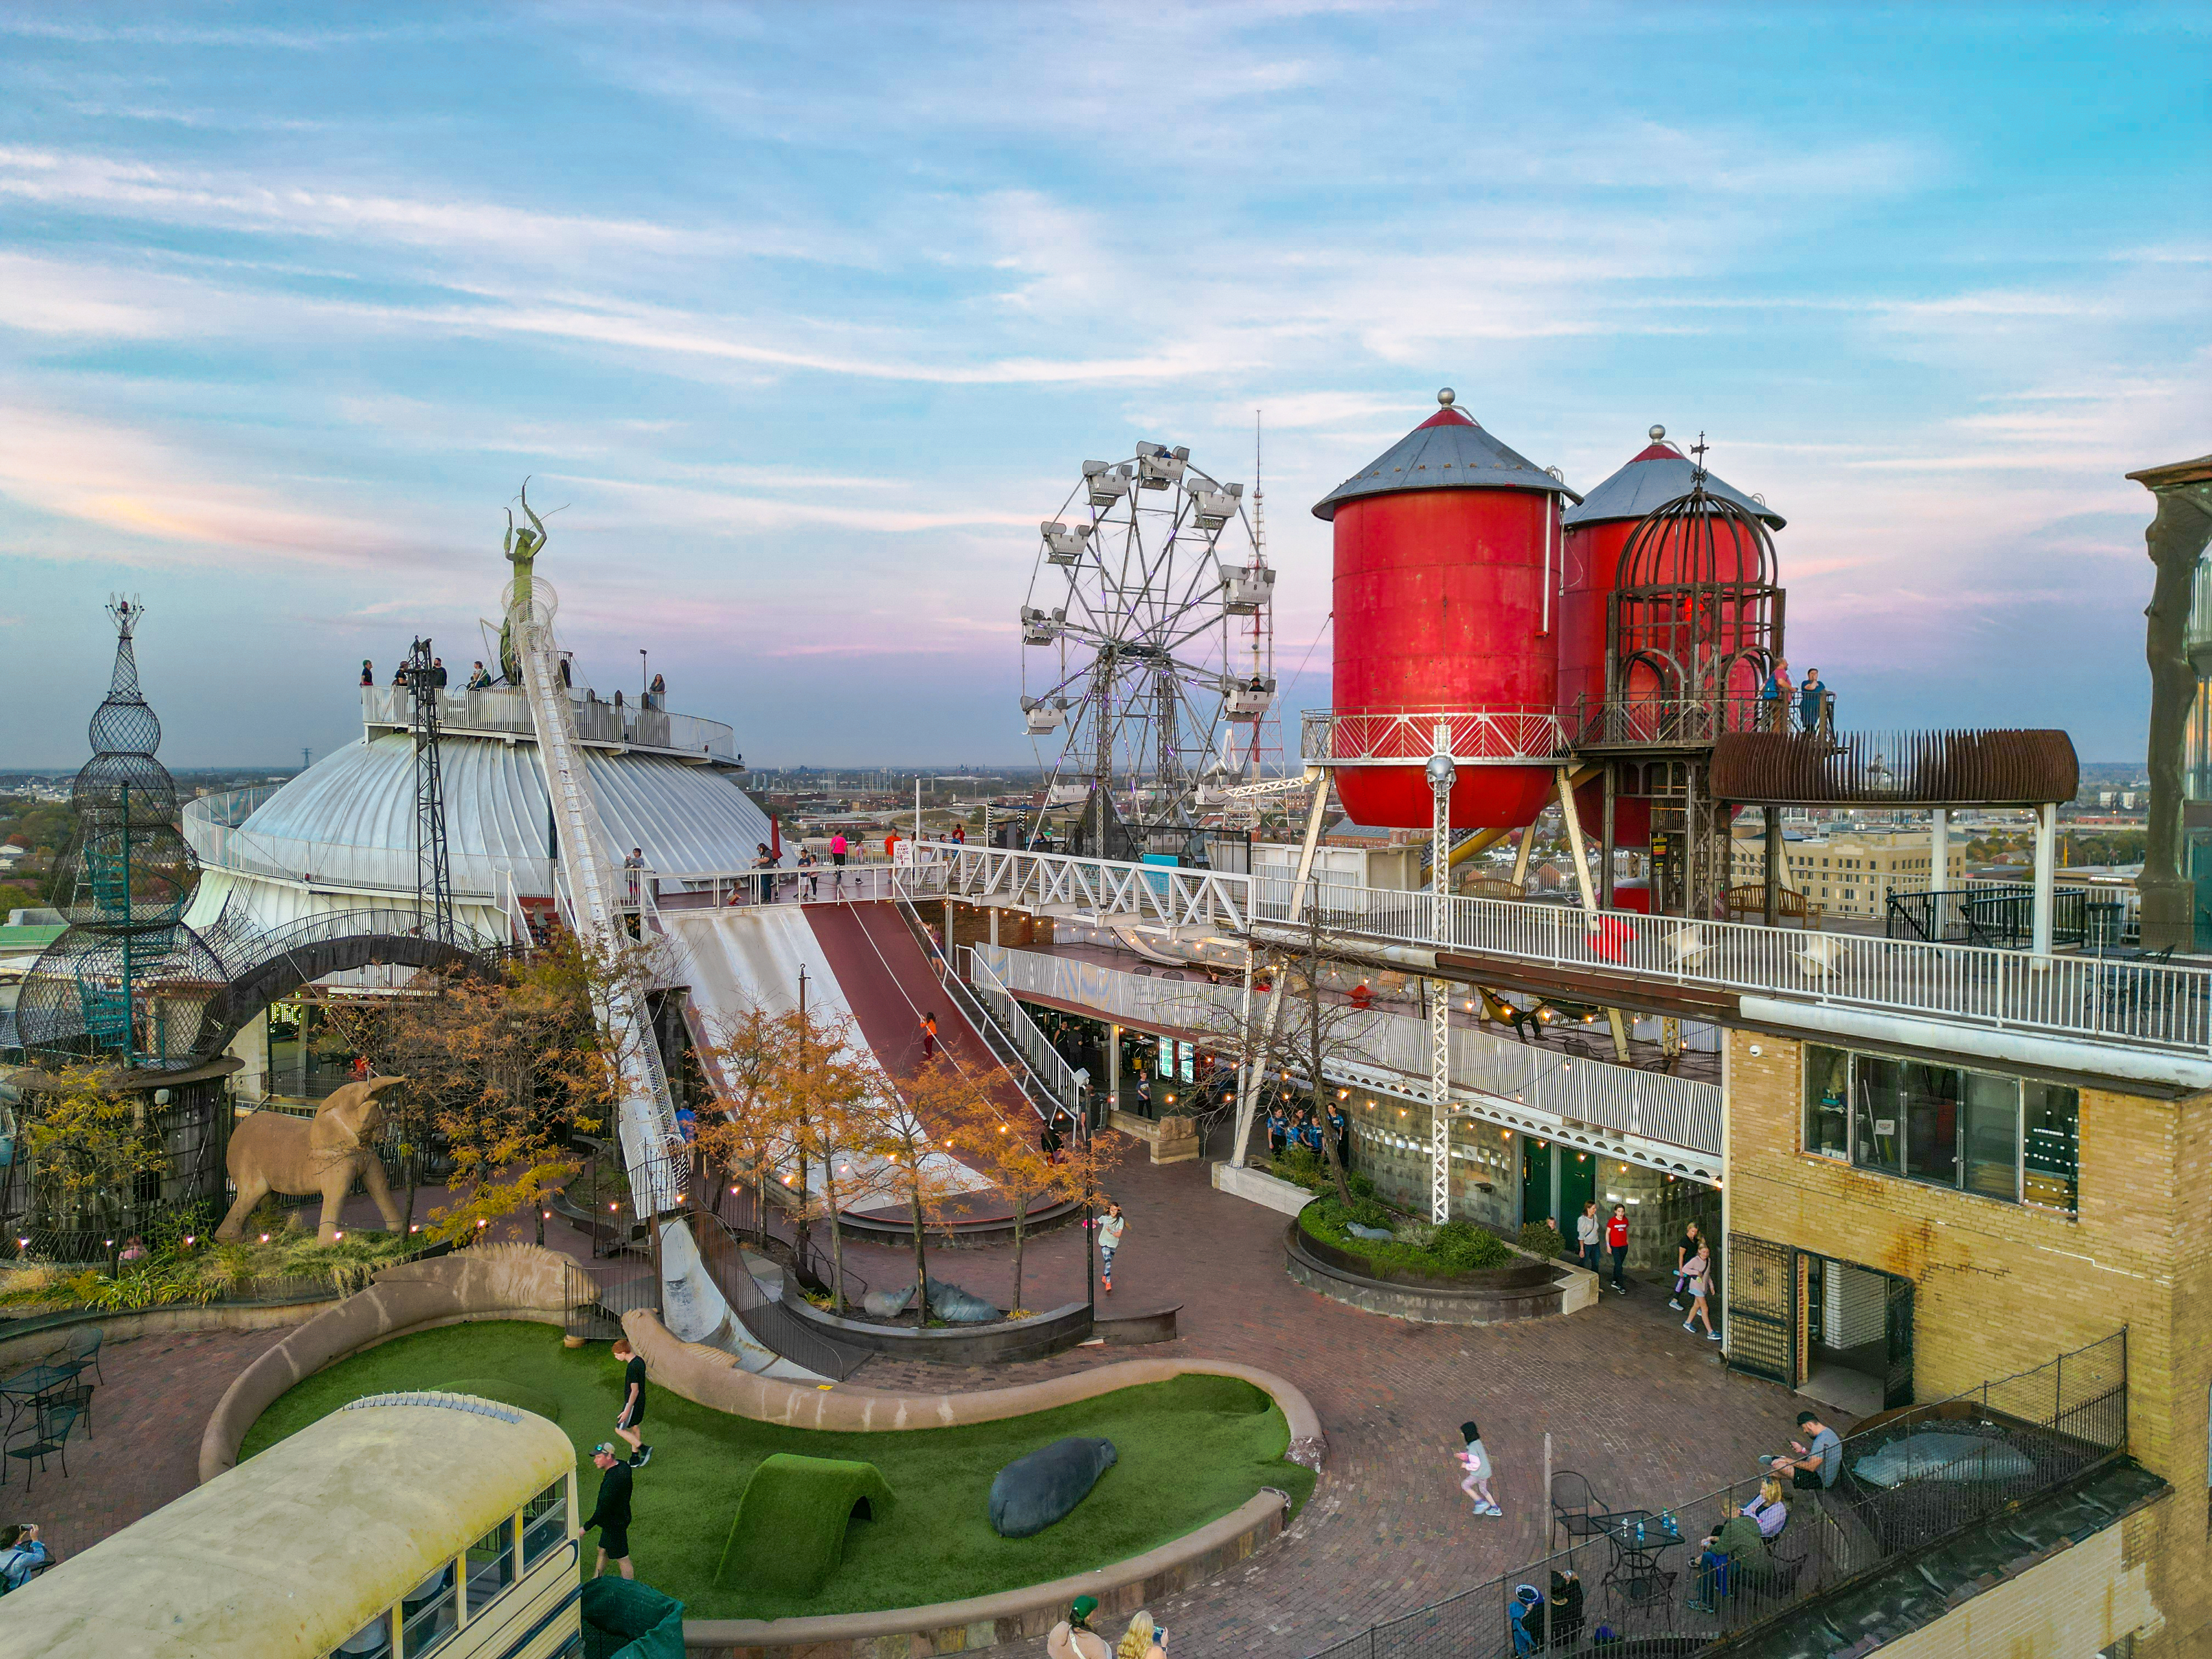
(1032, 1492)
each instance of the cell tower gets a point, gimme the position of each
(434, 881)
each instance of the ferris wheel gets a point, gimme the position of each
(1148, 675)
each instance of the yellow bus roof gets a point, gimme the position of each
(295, 1549)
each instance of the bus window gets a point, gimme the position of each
(429, 1613)
(491, 1565)
(372, 1641)
(545, 1523)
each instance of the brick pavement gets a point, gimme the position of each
(1631, 1399)
(145, 1444)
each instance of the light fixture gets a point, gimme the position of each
(264, 1238)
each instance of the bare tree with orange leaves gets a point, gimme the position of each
(998, 1134)
(915, 1134)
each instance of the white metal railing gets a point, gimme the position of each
(1043, 1063)
(1338, 737)
(1164, 895)
(2088, 998)
(505, 711)
(1671, 1113)
(789, 883)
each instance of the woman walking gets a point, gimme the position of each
(1616, 1239)
(1697, 1281)
(1109, 1240)
(1475, 1460)
(1685, 1248)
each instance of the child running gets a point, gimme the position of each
(1476, 1461)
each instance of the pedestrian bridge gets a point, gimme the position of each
(2128, 1019)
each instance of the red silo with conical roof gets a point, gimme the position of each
(1447, 558)
(1596, 531)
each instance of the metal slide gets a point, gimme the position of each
(644, 1115)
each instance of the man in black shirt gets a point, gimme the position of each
(611, 1515)
(633, 1406)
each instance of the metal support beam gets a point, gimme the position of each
(1567, 789)
(1773, 872)
(1938, 870)
(1442, 775)
(2046, 869)
(1252, 1074)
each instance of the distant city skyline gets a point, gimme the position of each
(807, 315)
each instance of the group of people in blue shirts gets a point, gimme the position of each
(1816, 702)
(1289, 1126)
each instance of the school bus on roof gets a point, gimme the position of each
(398, 1526)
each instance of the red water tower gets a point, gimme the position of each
(1596, 532)
(1447, 549)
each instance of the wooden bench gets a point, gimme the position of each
(1749, 904)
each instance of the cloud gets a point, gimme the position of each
(163, 504)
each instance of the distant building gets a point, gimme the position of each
(1853, 874)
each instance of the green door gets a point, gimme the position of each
(1577, 1186)
(1535, 1181)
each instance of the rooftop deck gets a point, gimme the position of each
(2112, 1012)
(503, 711)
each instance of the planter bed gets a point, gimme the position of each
(1529, 1289)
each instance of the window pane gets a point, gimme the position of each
(1824, 1115)
(2051, 1115)
(1992, 1136)
(491, 1565)
(545, 1523)
(1878, 1113)
(372, 1641)
(1931, 1123)
(429, 1613)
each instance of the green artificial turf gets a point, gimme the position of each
(789, 1535)
(1190, 1451)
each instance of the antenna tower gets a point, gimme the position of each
(434, 881)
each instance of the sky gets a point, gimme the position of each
(806, 315)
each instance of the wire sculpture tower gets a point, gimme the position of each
(90, 994)
(434, 880)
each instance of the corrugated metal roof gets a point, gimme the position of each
(1448, 451)
(359, 802)
(1659, 475)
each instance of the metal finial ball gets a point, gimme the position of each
(1657, 433)
(1446, 397)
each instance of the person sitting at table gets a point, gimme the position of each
(1727, 1559)
(22, 1556)
(1768, 1509)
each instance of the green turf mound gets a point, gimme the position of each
(788, 1535)
(625, 1620)
(520, 1394)
(1227, 1396)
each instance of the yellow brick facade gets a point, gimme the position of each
(2000, 1288)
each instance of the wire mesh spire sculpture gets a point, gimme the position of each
(133, 876)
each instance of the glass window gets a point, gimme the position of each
(1931, 1123)
(1827, 1122)
(2051, 1172)
(491, 1565)
(429, 1614)
(1992, 1136)
(545, 1523)
(372, 1641)
(1878, 1113)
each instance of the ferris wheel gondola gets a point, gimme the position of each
(1147, 651)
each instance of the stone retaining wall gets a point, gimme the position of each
(491, 1281)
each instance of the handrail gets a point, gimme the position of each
(646, 1114)
(1659, 1117)
(2131, 1003)
(999, 1009)
(506, 711)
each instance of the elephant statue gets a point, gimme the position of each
(272, 1152)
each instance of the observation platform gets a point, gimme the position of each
(503, 711)
(2082, 1016)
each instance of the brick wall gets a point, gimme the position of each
(2000, 1288)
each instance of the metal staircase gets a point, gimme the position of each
(644, 1114)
